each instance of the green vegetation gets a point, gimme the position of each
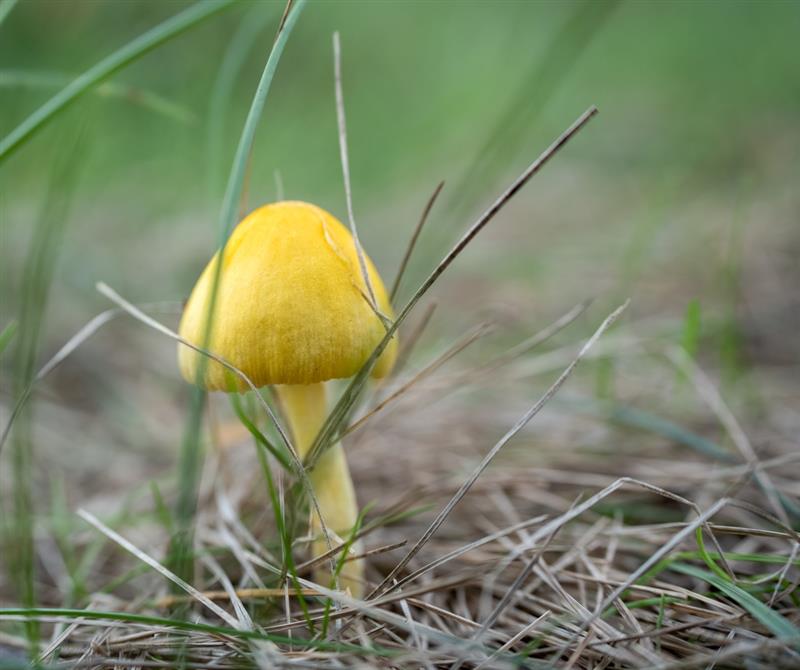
(132, 138)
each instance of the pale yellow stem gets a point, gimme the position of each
(305, 409)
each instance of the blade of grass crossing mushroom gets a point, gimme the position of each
(108, 66)
(348, 192)
(341, 547)
(413, 241)
(152, 323)
(353, 390)
(342, 557)
(406, 347)
(190, 456)
(523, 347)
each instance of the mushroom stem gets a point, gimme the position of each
(305, 408)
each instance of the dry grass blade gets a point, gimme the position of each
(734, 653)
(676, 540)
(538, 338)
(521, 423)
(410, 342)
(452, 644)
(412, 243)
(134, 311)
(304, 567)
(441, 560)
(83, 334)
(348, 192)
(712, 397)
(511, 592)
(501, 201)
(168, 601)
(527, 630)
(245, 621)
(149, 560)
(284, 16)
(428, 370)
(782, 576)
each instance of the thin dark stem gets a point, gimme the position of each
(413, 241)
(348, 398)
(348, 191)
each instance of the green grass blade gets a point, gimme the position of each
(163, 513)
(131, 94)
(285, 536)
(697, 555)
(32, 613)
(37, 278)
(260, 438)
(7, 335)
(191, 457)
(345, 552)
(779, 625)
(636, 418)
(5, 8)
(239, 47)
(692, 327)
(108, 66)
(233, 192)
(707, 558)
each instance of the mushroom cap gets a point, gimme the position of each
(291, 303)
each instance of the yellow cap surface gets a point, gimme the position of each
(291, 306)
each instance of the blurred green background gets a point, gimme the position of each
(684, 188)
(699, 104)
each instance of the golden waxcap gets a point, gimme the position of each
(291, 306)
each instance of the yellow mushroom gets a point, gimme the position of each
(293, 311)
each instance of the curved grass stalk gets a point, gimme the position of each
(191, 453)
(107, 67)
(142, 97)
